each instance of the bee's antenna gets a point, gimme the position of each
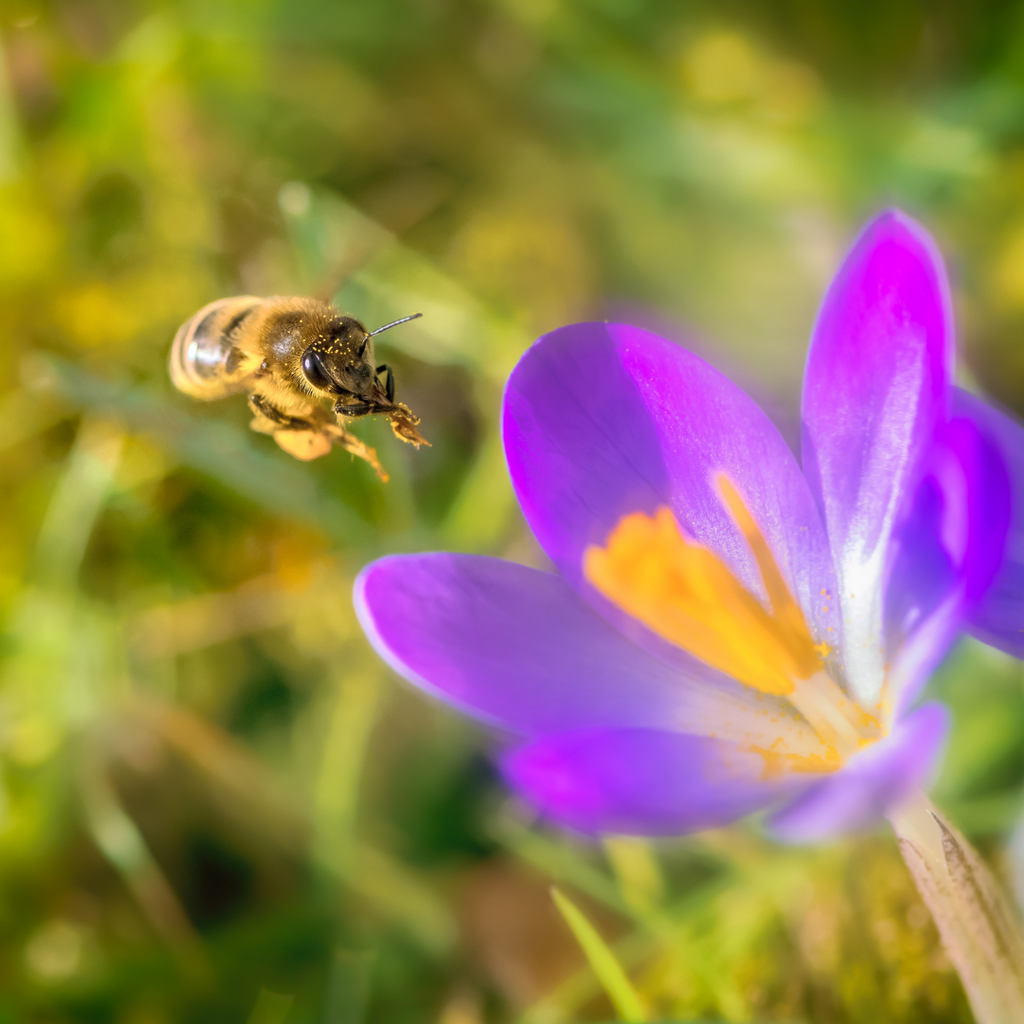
(394, 323)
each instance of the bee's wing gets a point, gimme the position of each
(204, 363)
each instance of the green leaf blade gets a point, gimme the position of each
(601, 959)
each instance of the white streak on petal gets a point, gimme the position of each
(861, 565)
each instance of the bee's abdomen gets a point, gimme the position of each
(204, 362)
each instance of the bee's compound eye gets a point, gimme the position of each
(315, 371)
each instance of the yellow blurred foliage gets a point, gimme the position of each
(513, 251)
(29, 239)
(724, 67)
(1007, 275)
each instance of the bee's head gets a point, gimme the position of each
(339, 362)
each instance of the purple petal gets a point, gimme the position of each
(999, 618)
(519, 649)
(876, 388)
(602, 419)
(947, 551)
(640, 781)
(873, 781)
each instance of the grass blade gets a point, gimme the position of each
(602, 960)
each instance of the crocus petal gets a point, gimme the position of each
(999, 619)
(518, 648)
(601, 420)
(640, 781)
(947, 551)
(878, 374)
(872, 782)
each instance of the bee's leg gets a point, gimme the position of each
(306, 439)
(343, 439)
(350, 442)
(356, 409)
(268, 419)
(301, 438)
(389, 380)
(404, 424)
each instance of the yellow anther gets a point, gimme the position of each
(686, 594)
(789, 619)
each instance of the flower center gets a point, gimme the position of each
(686, 594)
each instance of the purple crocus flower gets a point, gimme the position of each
(726, 633)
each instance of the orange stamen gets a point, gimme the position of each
(687, 595)
(788, 617)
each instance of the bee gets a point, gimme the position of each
(292, 355)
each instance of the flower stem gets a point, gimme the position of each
(978, 925)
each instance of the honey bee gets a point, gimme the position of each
(291, 355)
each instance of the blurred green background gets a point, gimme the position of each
(215, 804)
